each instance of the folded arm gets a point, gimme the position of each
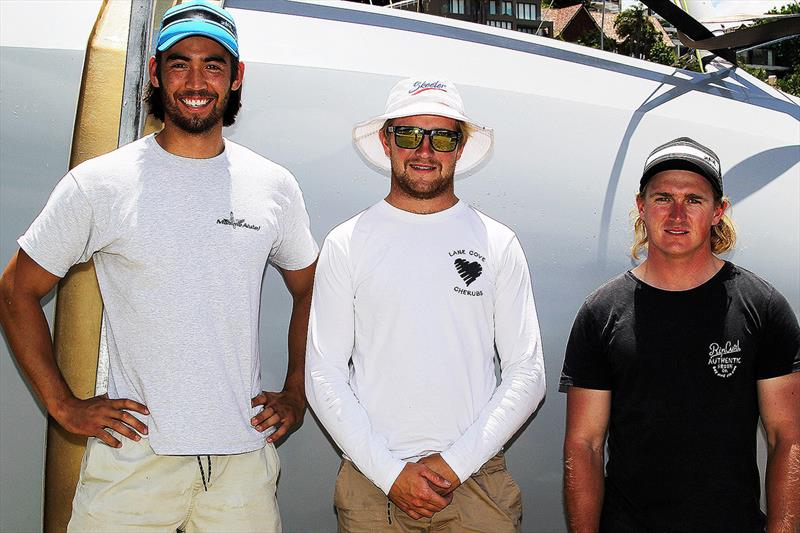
(22, 286)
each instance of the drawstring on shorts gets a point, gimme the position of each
(202, 474)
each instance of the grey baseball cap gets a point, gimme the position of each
(684, 153)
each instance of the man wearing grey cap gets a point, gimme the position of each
(181, 225)
(411, 298)
(675, 361)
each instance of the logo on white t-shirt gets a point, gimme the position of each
(468, 270)
(720, 360)
(236, 223)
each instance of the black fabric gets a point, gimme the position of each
(682, 428)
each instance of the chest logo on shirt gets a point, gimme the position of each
(720, 359)
(468, 270)
(236, 223)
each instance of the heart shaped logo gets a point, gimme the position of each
(469, 271)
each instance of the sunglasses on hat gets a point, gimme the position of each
(410, 137)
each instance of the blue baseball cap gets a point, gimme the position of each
(198, 17)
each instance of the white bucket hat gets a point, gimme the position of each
(416, 96)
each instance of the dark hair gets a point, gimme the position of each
(155, 105)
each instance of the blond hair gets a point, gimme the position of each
(723, 233)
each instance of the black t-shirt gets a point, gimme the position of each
(682, 368)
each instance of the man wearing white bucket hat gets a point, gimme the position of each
(411, 298)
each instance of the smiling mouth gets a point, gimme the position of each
(421, 167)
(676, 232)
(195, 103)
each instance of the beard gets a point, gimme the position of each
(422, 189)
(194, 124)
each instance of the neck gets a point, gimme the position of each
(419, 206)
(680, 274)
(192, 145)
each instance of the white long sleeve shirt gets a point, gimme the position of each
(406, 314)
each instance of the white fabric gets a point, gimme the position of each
(389, 300)
(417, 96)
(180, 246)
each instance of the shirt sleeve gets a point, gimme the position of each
(780, 340)
(331, 336)
(585, 364)
(522, 386)
(64, 233)
(296, 248)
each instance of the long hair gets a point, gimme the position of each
(723, 234)
(155, 104)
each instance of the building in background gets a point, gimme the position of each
(518, 15)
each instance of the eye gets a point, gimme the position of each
(212, 66)
(661, 199)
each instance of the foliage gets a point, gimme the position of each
(637, 32)
(791, 83)
(592, 39)
(688, 61)
(661, 53)
(759, 73)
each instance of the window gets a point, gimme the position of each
(526, 11)
(500, 24)
(497, 7)
(456, 6)
(523, 29)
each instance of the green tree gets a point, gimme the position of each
(638, 36)
(661, 53)
(791, 83)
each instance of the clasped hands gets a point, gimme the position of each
(424, 488)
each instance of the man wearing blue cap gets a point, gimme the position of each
(675, 361)
(181, 225)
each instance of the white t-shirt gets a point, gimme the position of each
(406, 314)
(180, 246)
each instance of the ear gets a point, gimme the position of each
(385, 143)
(237, 83)
(152, 69)
(719, 210)
(640, 203)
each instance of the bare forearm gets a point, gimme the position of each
(783, 488)
(583, 488)
(298, 331)
(28, 336)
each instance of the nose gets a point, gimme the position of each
(678, 211)
(425, 146)
(195, 79)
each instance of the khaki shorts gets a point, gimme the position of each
(132, 489)
(489, 501)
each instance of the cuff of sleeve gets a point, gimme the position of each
(462, 469)
(389, 479)
(39, 260)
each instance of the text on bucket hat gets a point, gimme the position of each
(684, 153)
(198, 17)
(417, 96)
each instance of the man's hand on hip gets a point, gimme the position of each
(415, 491)
(93, 416)
(440, 466)
(284, 408)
